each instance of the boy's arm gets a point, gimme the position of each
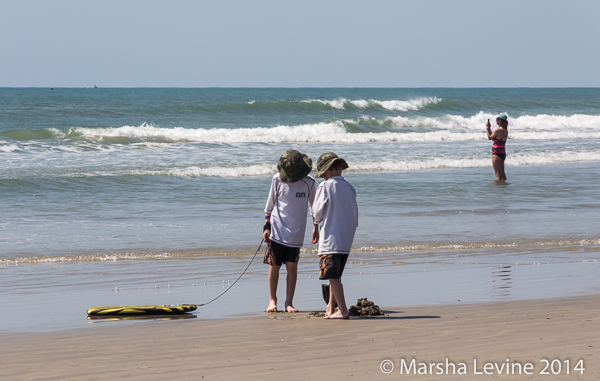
(311, 201)
(267, 229)
(271, 199)
(311, 197)
(315, 232)
(318, 209)
(268, 209)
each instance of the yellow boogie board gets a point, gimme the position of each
(140, 310)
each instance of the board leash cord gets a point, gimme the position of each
(95, 312)
(242, 274)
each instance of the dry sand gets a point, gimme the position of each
(301, 346)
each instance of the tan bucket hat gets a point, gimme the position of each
(325, 161)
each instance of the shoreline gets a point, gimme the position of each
(61, 308)
(302, 346)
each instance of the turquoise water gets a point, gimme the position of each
(137, 188)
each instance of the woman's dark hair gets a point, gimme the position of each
(504, 123)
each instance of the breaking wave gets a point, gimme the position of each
(392, 105)
(359, 130)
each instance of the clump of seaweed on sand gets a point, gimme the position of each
(365, 307)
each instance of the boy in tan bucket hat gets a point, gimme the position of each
(292, 192)
(335, 206)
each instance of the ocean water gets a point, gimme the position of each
(156, 196)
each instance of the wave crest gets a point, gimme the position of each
(392, 105)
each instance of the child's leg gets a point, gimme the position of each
(332, 303)
(292, 277)
(337, 292)
(273, 281)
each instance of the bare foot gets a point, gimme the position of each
(329, 311)
(337, 315)
(272, 306)
(289, 308)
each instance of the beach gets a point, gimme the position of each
(301, 346)
(156, 196)
(147, 149)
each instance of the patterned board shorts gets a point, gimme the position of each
(331, 266)
(278, 254)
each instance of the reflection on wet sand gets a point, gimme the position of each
(501, 282)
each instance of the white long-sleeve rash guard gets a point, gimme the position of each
(288, 205)
(335, 205)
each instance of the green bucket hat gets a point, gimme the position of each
(293, 166)
(325, 161)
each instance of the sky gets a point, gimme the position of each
(279, 43)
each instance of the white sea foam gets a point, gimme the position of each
(456, 246)
(57, 133)
(393, 105)
(357, 166)
(9, 148)
(241, 171)
(336, 103)
(49, 259)
(512, 160)
(447, 128)
(450, 128)
(361, 103)
(558, 122)
(255, 170)
(411, 105)
(542, 122)
(333, 132)
(320, 132)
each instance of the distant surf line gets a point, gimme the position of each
(359, 166)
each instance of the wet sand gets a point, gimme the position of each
(301, 346)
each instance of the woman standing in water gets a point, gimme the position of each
(498, 148)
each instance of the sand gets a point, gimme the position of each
(301, 346)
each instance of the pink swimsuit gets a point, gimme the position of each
(499, 146)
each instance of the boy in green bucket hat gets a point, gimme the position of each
(335, 206)
(292, 192)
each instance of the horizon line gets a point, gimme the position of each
(299, 87)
